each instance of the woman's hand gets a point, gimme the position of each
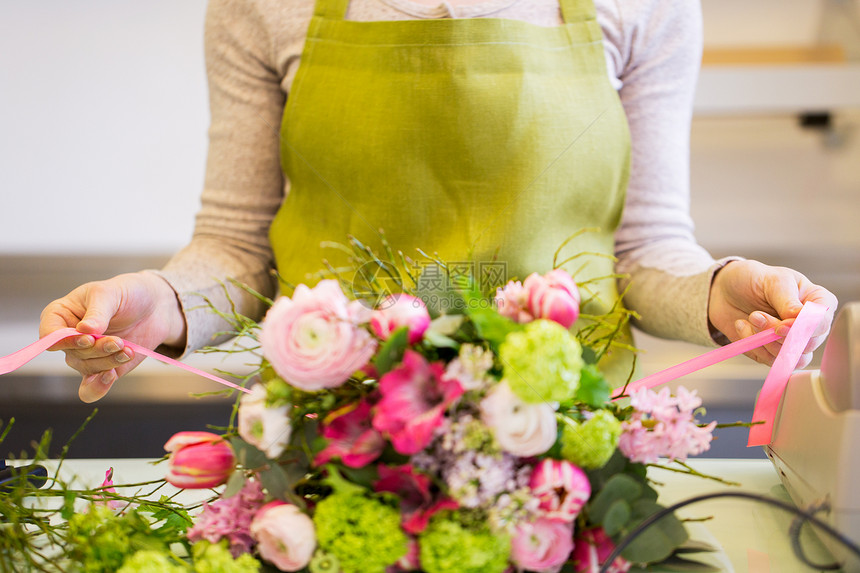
(138, 306)
(748, 297)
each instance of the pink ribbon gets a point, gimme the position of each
(777, 378)
(25, 355)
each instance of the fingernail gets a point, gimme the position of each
(782, 330)
(106, 378)
(739, 326)
(758, 320)
(84, 341)
(112, 347)
(122, 357)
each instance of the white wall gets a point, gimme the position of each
(103, 118)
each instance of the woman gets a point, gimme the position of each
(488, 131)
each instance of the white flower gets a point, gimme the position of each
(520, 428)
(265, 427)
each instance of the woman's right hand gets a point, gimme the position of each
(141, 307)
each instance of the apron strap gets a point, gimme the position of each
(331, 9)
(577, 10)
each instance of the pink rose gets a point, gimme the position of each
(542, 546)
(591, 549)
(561, 487)
(198, 460)
(313, 340)
(520, 428)
(285, 536)
(400, 310)
(553, 296)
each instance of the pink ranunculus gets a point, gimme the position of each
(512, 301)
(520, 428)
(542, 546)
(397, 311)
(562, 488)
(264, 427)
(417, 505)
(351, 436)
(198, 460)
(415, 396)
(285, 536)
(591, 549)
(314, 339)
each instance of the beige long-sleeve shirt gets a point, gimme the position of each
(253, 49)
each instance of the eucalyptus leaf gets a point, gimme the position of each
(618, 487)
(234, 484)
(616, 517)
(659, 540)
(677, 563)
(248, 456)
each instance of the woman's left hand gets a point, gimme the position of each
(748, 297)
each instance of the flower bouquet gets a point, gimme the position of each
(382, 437)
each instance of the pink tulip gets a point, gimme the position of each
(591, 549)
(542, 546)
(314, 339)
(562, 488)
(400, 310)
(198, 460)
(553, 296)
(285, 536)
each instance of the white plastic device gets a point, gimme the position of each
(816, 443)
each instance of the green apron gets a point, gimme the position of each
(485, 141)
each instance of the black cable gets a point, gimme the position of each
(797, 547)
(653, 518)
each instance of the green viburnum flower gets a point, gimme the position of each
(541, 363)
(216, 558)
(100, 540)
(323, 562)
(362, 532)
(590, 444)
(449, 545)
(150, 561)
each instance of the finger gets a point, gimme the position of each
(99, 364)
(763, 354)
(783, 294)
(805, 360)
(96, 386)
(102, 305)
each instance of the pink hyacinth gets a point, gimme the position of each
(542, 546)
(314, 339)
(663, 425)
(591, 549)
(417, 505)
(351, 436)
(415, 396)
(562, 488)
(400, 310)
(553, 296)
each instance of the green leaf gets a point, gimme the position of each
(391, 351)
(619, 487)
(593, 388)
(68, 510)
(234, 484)
(659, 540)
(616, 517)
(492, 326)
(677, 563)
(247, 455)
